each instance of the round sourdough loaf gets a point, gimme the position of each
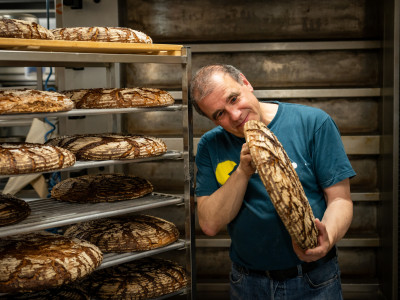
(142, 279)
(101, 188)
(24, 158)
(42, 260)
(282, 183)
(119, 98)
(13, 28)
(12, 209)
(110, 146)
(33, 101)
(65, 292)
(126, 234)
(101, 34)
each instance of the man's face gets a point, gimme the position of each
(230, 104)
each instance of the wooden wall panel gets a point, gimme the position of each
(180, 21)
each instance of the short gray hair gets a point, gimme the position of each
(201, 84)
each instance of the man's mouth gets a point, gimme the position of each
(244, 121)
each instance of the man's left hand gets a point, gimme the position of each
(318, 252)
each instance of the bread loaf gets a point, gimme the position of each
(41, 260)
(101, 188)
(119, 98)
(110, 146)
(126, 234)
(24, 158)
(12, 28)
(282, 183)
(101, 34)
(142, 279)
(65, 292)
(12, 209)
(33, 101)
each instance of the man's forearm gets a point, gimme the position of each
(220, 208)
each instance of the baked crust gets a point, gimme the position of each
(13, 28)
(126, 234)
(101, 34)
(101, 188)
(282, 183)
(12, 209)
(110, 146)
(14, 101)
(119, 98)
(24, 158)
(146, 278)
(41, 260)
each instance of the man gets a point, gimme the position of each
(266, 264)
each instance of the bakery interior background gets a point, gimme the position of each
(328, 54)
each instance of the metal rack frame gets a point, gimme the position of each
(54, 211)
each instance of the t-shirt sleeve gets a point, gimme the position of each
(206, 184)
(329, 157)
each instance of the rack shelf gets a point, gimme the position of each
(49, 213)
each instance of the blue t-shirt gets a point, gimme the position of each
(313, 143)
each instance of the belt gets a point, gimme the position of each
(281, 275)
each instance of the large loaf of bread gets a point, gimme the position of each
(110, 146)
(64, 292)
(126, 234)
(24, 158)
(101, 188)
(101, 34)
(12, 209)
(282, 183)
(146, 278)
(12, 28)
(119, 98)
(42, 260)
(33, 101)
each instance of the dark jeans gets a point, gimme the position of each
(322, 283)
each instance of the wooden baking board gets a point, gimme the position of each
(89, 47)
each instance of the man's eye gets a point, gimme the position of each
(219, 115)
(233, 99)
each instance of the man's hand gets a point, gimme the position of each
(246, 164)
(318, 252)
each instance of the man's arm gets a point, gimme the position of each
(221, 207)
(335, 222)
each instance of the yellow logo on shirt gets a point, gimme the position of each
(224, 170)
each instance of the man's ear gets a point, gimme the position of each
(246, 82)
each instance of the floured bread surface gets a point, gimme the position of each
(126, 234)
(13, 28)
(101, 188)
(119, 98)
(12, 209)
(43, 260)
(282, 183)
(110, 146)
(13, 101)
(64, 292)
(142, 279)
(24, 158)
(101, 34)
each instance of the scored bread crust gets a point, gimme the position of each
(24, 158)
(146, 278)
(126, 234)
(101, 188)
(282, 183)
(119, 98)
(39, 260)
(32, 101)
(110, 146)
(13, 28)
(101, 34)
(12, 209)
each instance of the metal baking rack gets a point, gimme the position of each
(50, 213)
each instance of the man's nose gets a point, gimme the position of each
(234, 113)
